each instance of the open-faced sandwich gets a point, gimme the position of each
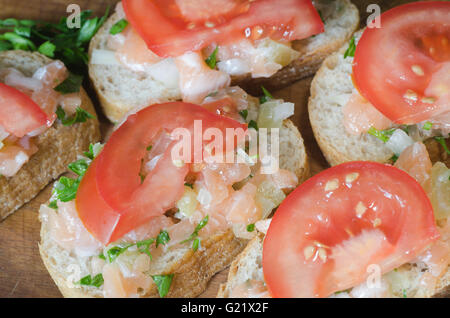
(158, 51)
(138, 223)
(359, 229)
(46, 120)
(386, 89)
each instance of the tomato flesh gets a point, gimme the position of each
(112, 199)
(19, 114)
(326, 234)
(171, 28)
(394, 65)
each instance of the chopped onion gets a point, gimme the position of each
(399, 141)
(234, 67)
(104, 57)
(272, 113)
(18, 80)
(165, 72)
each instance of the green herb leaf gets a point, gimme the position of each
(441, 141)
(4, 45)
(190, 185)
(101, 256)
(53, 205)
(149, 148)
(115, 251)
(79, 167)
(94, 150)
(394, 158)
(404, 293)
(19, 42)
(144, 246)
(197, 229)
(266, 97)
(253, 124)
(48, 49)
(71, 84)
(196, 244)
(118, 27)
(351, 49)
(163, 238)
(87, 31)
(97, 281)
(427, 125)
(24, 31)
(163, 283)
(250, 227)
(244, 113)
(65, 189)
(80, 116)
(212, 59)
(383, 135)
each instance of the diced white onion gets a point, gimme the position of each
(165, 72)
(283, 111)
(204, 197)
(399, 141)
(234, 67)
(104, 57)
(17, 79)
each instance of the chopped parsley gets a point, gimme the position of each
(253, 124)
(71, 84)
(194, 235)
(196, 244)
(53, 205)
(80, 116)
(441, 141)
(244, 114)
(394, 158)
(351, 49)
(427, 125)
(149, 148)
(95, 281)
(404, 293)
(163, 283)
(383, 135)
(143, 246)
(212, 59)
(190, 185)
(250, 227)
(94, 150)
(266, 97)
(118, 27)
(163, 238)
(54, 40)
(65, 189)
(47, 48)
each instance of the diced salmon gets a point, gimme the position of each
(416, 162)
(360, 115)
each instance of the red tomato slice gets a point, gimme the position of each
(19, 114)
(331, 228)
(394, 65)
(111, 199)
(173, 27)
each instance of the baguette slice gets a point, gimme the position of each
(58, 146)
(330, 91)
(121, 90)
(192, 271)
(404, 281)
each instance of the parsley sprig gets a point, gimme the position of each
(65, 189)
(351, 49)
(80, 116)
(194, 236)
(55, 40)
(383, 135)
(163, 283)
(143, 246)
(211, 61)
(95, 281)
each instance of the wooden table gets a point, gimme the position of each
(22, 273)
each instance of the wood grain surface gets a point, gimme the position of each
(22, 273)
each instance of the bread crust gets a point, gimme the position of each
(57, 146)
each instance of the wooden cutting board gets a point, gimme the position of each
(22, 273)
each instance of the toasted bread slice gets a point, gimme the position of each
(330, 91)
(58, 146)
(403, 282)
(192, 271)
(121, 90)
